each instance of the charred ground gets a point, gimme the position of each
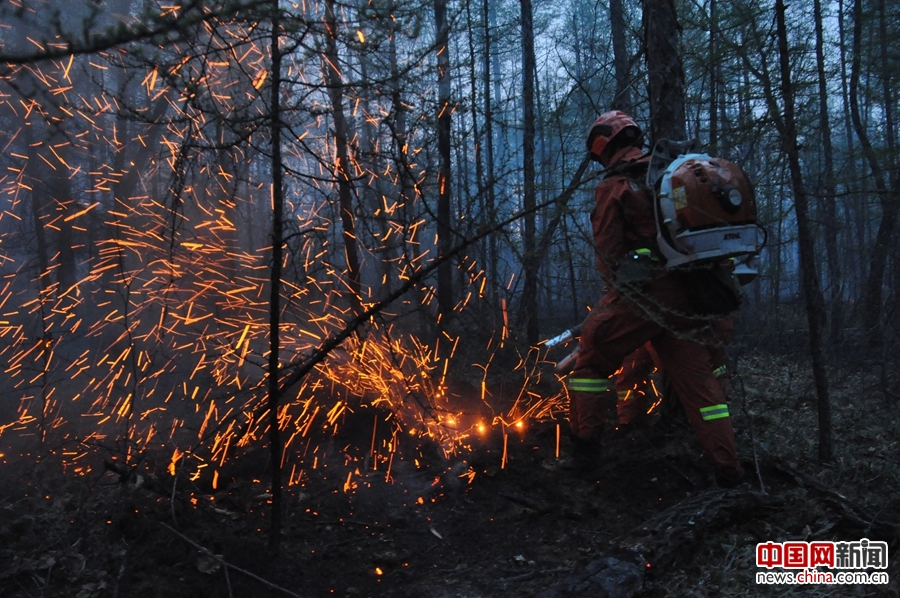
(652, 524)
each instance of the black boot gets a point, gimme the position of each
(730, 479)
(585, 457)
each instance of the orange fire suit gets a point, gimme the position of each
(637, 391)
(657, 305)
(634, 387)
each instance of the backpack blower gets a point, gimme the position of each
(705, 209)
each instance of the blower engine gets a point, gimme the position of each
(705, 207)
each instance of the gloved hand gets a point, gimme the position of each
(635, 271)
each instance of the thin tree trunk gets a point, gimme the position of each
(373, 189)
(713, 78)
(622, 100)
(889, 207)
(405, 179)
(274, 394)
(828, 203)
(778, 275)
(856, 207)
(478, 133)
(445, 271)
(664, 70)
(531, 265)
(815, 303)
(490, 196)
(342, 167)
(891, 201)
(501, 148)
(473, 85)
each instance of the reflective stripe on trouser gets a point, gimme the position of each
(591, 406)
(714, 412)
(597, 385)
(720, 371)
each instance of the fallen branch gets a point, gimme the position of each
(226, 564)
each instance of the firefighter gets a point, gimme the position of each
(645, 302)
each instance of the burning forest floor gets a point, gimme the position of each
(652, 524)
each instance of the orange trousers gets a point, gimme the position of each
(634, 387)
(611, 332)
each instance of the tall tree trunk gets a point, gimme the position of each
(274, 392)
(373, 189)
(342, 166)
(664, 70)
(405, 178)
(778, 274)
(584, 100)
(473, 86)
(444, 230)
(815, 303)
(856, 207)
(713, 78)
(891, 202)
(502, 153)
(622, 100)
(828, 203)
(531, 265)
(889, 205)
(490, 191)
(478, 134)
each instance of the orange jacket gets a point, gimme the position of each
(623, 219)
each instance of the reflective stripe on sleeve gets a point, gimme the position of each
(714, 412)
(720, 371)
(588, 384)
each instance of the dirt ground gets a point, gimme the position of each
(651, 524)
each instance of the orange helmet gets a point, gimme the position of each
(612, 125)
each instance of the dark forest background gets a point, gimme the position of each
(226, 224)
